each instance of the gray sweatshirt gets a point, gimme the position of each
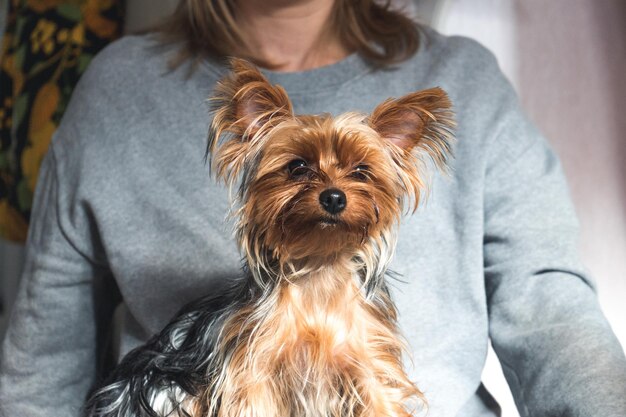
(124, 196)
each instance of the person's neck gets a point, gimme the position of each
(288, 35)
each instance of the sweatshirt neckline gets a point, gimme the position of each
(320, 78)
(309, 81)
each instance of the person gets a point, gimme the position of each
(124, 197)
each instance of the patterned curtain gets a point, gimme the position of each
(47, 45)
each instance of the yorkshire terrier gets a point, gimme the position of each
(309, 329)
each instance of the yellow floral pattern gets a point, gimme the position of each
(41, 39)
(47, 46)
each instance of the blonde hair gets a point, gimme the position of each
(380, 34)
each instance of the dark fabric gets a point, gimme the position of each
(48, 44)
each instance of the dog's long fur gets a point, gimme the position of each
(309, 330)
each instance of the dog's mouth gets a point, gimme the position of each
(326, 222)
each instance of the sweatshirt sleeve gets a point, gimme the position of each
(49, 353)
(55, 345)
(557, 350)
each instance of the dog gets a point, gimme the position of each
(309, 329)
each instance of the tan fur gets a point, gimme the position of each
(318, 337)
(322, 341)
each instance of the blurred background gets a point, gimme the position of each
(566, 59)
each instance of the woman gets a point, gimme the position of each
(124, 197)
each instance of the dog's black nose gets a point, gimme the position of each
(333, 200)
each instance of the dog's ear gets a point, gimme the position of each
(418, 124)
(244, 106)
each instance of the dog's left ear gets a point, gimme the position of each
(245, 105)
(417, 124)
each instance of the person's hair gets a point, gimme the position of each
(375, 30)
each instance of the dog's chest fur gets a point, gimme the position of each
(318, 348)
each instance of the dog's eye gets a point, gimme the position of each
(361, 172)
(297, 167)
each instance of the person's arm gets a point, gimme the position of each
(556, 348)
(49, 353)
(51, 350)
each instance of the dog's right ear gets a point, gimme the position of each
(244, 106)
(417, 126)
